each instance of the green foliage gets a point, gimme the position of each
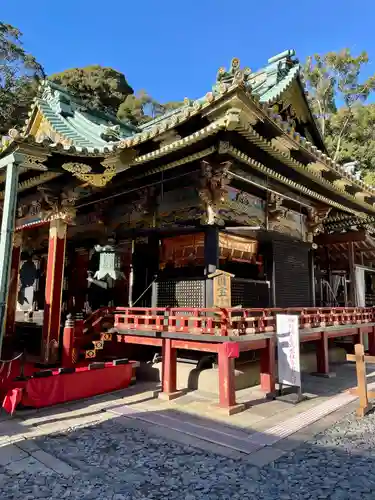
(99, 87)
(332, 79)
(19, 76)
(369, 178)
(358, 142)
(142, 107)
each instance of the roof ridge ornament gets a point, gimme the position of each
(235, 75)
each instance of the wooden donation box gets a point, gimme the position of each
(222, 292)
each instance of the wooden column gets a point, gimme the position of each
(227, 388)
(312, 278)
(67, 359)
(131, 275)
(371, 342)
(169, 371)
(358, 338)
(13, 284)
(54, 287)
(268, 367)
(6, 237)
(79, 280)
(352, 277)
(322, 357)
(211, 259)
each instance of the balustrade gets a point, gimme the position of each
(235, 321)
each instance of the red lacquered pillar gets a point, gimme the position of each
(227, 352)
(371, 342)
(53, 294)
(268, 367)
(322, 355)
(68, 343)
(227, 390)
(357, 338)
(13, 284)
(169, 369)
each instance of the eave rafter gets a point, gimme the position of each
(233, 107)
(226, 148)
(282, 154)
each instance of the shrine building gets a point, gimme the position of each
(98, 212)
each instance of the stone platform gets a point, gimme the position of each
(194, 417)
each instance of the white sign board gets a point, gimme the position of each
(288, 349)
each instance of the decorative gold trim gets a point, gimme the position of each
(253, 136)
(186, 141)
(17, 239)
(58, 229)
(242, 157)
(81, 171)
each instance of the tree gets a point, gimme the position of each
(19, 77)
(358, 141)
(142, 108)
(334, 78)
(99, 87)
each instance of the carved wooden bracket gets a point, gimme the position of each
(57, 205)
(276, 211)
(315, 218)
(213, 189)
(146, 202)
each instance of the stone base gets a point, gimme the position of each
(361, 412)
(324, 375)
(246, 374)
(293, 398)
(164, 396)
(231, 410)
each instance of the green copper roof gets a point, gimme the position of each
(96, 132)
(267, 83)
(91, 130)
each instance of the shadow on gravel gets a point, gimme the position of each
(134, 457)
(175, 455)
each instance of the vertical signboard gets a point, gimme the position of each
(288, 350)
(222, 291)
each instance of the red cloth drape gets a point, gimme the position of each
(84, 383)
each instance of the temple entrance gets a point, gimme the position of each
(145, 268)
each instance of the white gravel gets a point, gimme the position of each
(115, 462)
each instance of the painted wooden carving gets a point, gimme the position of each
(188, 249)
(213, 190)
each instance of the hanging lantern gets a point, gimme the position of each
(109, 262)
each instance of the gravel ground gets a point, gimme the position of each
(114, 462)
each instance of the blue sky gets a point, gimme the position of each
(173, 49)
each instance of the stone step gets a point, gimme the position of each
(214, 433)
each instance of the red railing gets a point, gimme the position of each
(234, 321)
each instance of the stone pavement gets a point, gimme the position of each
(112, 445)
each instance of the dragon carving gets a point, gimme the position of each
(58, 205)
(213, 188)
(276, 211)
(315, 218)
